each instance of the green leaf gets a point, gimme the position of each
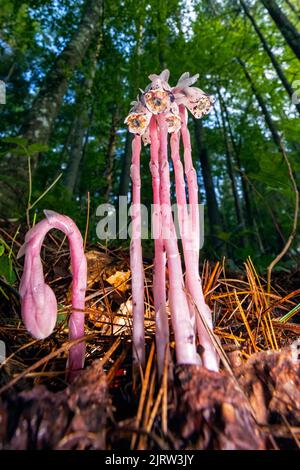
(6, 270)
(224, 236)
(37, 148)
(15, 140)
(61, 318)
(1, 250)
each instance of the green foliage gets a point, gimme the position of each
(138, 38)
(6, 265)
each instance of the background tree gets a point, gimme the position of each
(87, 90)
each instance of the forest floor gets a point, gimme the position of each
(253, 403)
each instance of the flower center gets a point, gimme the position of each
(157, 101)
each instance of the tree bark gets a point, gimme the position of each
(284, 25)
(230, 169)
(39, 122)
(110, 154)
(245, 186)
(293, 8)
(162, 15)
(46, 105)
(275, 63)
(212, 205)
(81, 124)
(125, 172)
(264, 109)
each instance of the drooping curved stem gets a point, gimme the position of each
(191, 252)
(182, 324)
(136, 258)
(39, 306)
(159, 276)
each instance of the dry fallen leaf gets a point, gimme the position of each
(118, 280)
(97, 263)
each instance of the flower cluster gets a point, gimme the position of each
(160, 97)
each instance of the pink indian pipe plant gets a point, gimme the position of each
(159, 276)
(136, 258)
(189, 232)
(160, 110)
(183, 327)
(38, 301)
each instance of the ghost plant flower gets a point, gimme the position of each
(138, 119)
(39, 305)
(195, 100)
(158, 96)
(159, 111)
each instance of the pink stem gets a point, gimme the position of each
(193, 280)
(159, 277)
(183, 328)
(136, 258)
(39, 306)
(183, 216)
(192, 183)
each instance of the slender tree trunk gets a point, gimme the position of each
(39, 122)
(212, 205)
(245, 186)
(46, 106)
(161, 32)
(264, 109)
(110, 154)
(276, 64)
(293, 8)
(125, 172)
(230, 169)
(287, 29)
(81, 123)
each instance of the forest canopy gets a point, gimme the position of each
(69, 70)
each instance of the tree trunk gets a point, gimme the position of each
(81, 124)
(284, 25)
(110, 154)
(162, 15)
(211, 199)
(294, 8)
(245, 186)
(264, 109)
(46, 105)
(230, 169)
(268, 50)
(125, 172)
(39, 122)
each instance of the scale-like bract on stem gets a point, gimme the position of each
(39, 305)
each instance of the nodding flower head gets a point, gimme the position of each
(159, 97)
(157, 101)
(138, 118)
(159, 82)
(137, 123)
(202, 106)
(173, 122)
(39, 306)
(196, 101)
